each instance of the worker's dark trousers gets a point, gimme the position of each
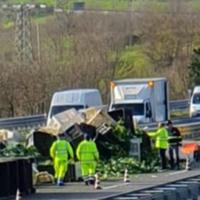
(163, 158)
(172, 150)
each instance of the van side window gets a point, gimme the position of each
(196, 98)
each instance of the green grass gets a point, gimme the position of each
(155, 5)
(46, 2)
(121, 4)
(7, 24)
(107, 4)
(195, 4)
(179, 114)
(42, 19)
(133, 62)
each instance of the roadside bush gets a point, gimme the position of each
(19, 150)
(115, 167)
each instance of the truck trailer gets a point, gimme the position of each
(146, 99)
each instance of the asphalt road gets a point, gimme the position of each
(78, 190)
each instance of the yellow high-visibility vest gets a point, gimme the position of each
(161, 136)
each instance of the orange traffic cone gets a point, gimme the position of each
(97, 182)
(126, 177)
(188, 149)
(18, 195)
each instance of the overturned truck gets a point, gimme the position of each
(96, 122)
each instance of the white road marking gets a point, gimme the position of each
(114, 186)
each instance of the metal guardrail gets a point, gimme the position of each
(179, 104)
(39, 120)
(23, 122)
(189, 127)
(190, 131)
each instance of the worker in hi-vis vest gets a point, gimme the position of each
(174, 139)
(88, 155)
(161, 137)
(60, 152)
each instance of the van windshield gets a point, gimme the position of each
(58, 109)
(136, 108)
(196, 98)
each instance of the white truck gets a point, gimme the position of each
(76, 98)
(194, 108)
(147, 99)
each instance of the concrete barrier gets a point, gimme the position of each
(157, 194)
(181, 189)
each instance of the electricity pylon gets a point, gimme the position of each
(24, 51)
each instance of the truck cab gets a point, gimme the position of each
(140, 109)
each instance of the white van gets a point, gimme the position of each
(77, 98)
(194, 109)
